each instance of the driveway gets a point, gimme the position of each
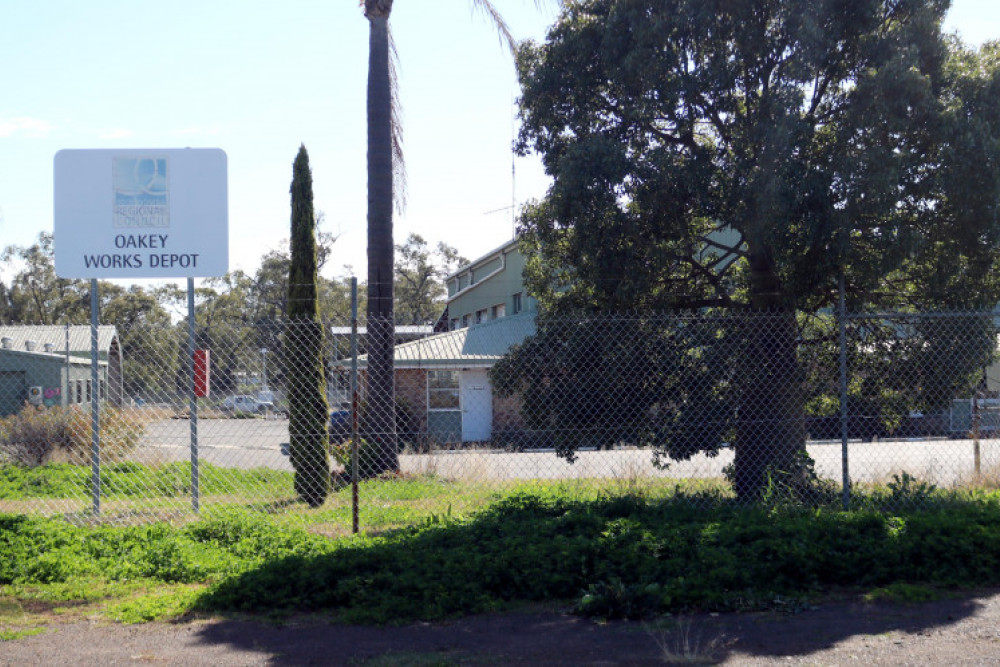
(963, 630)
(251, 443)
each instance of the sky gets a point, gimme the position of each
(257, 78)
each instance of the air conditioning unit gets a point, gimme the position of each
(35, 395)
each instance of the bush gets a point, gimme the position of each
(368, 458)
(36, 436)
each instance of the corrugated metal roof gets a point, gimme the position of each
(400, 329)
(79, 336)
(56, 357)
(477, 345)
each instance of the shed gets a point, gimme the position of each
(55, 359)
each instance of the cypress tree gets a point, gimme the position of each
(308, 407)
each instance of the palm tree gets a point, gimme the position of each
(384, 166)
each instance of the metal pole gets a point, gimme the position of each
(192, 399)
(842, 325)
(975, 433)
(263, 369)
(354, 404)
(95, 415)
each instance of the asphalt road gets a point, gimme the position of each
(252, 443)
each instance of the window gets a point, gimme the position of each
(88, 396)
(79, 391)
(442, 390)
(453, 324)
(517, 303)
(482, 316)
(466, 320)
(499, 310)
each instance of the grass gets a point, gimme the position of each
(434, 549)
(680, 644)
(135, 480)
(622, 556)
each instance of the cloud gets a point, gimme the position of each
(33, 127)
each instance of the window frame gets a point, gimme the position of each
(447, 390)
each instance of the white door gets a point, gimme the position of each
(477, 405)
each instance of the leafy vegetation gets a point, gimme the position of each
(308, 408)
(611, 556)
(127, 479)
(739, 158)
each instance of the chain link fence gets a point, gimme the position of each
(816, 407)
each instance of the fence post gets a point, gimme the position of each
(975, 434)
(354, 405)
(192, 399)
(95, 415)
(842, 326)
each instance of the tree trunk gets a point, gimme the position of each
(380, 418)
(770, 441)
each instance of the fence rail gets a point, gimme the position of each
(727, 404)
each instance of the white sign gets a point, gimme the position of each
(134, 213)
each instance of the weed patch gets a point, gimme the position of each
(631, 556)
(11, 635)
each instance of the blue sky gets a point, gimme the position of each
(257, 78)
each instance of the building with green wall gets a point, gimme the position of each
(488, 288)
(51, 365)
(444, 378)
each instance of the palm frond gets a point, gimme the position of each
(396, 119)
(503, 30)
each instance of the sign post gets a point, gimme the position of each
(193, 401)
(95, 414)
(142, 213)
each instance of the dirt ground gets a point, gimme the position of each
(964, 630)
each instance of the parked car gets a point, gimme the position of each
(245, 404)
(340, 425)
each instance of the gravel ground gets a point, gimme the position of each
(963, 630)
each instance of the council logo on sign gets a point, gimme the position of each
(140, 192)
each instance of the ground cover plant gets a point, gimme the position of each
(608, 556)
(137, 480)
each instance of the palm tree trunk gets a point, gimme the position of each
(380, 419)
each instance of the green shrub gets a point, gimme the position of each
(36, 436)
(368, 457)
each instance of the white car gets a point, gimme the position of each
(245, 404)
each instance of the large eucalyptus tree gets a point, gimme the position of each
(746, 157)
(385, 170)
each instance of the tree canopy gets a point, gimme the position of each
(744, 157)
(420, 292)
(739, 154)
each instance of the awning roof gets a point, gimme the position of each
(79, 336)
(477, 345)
